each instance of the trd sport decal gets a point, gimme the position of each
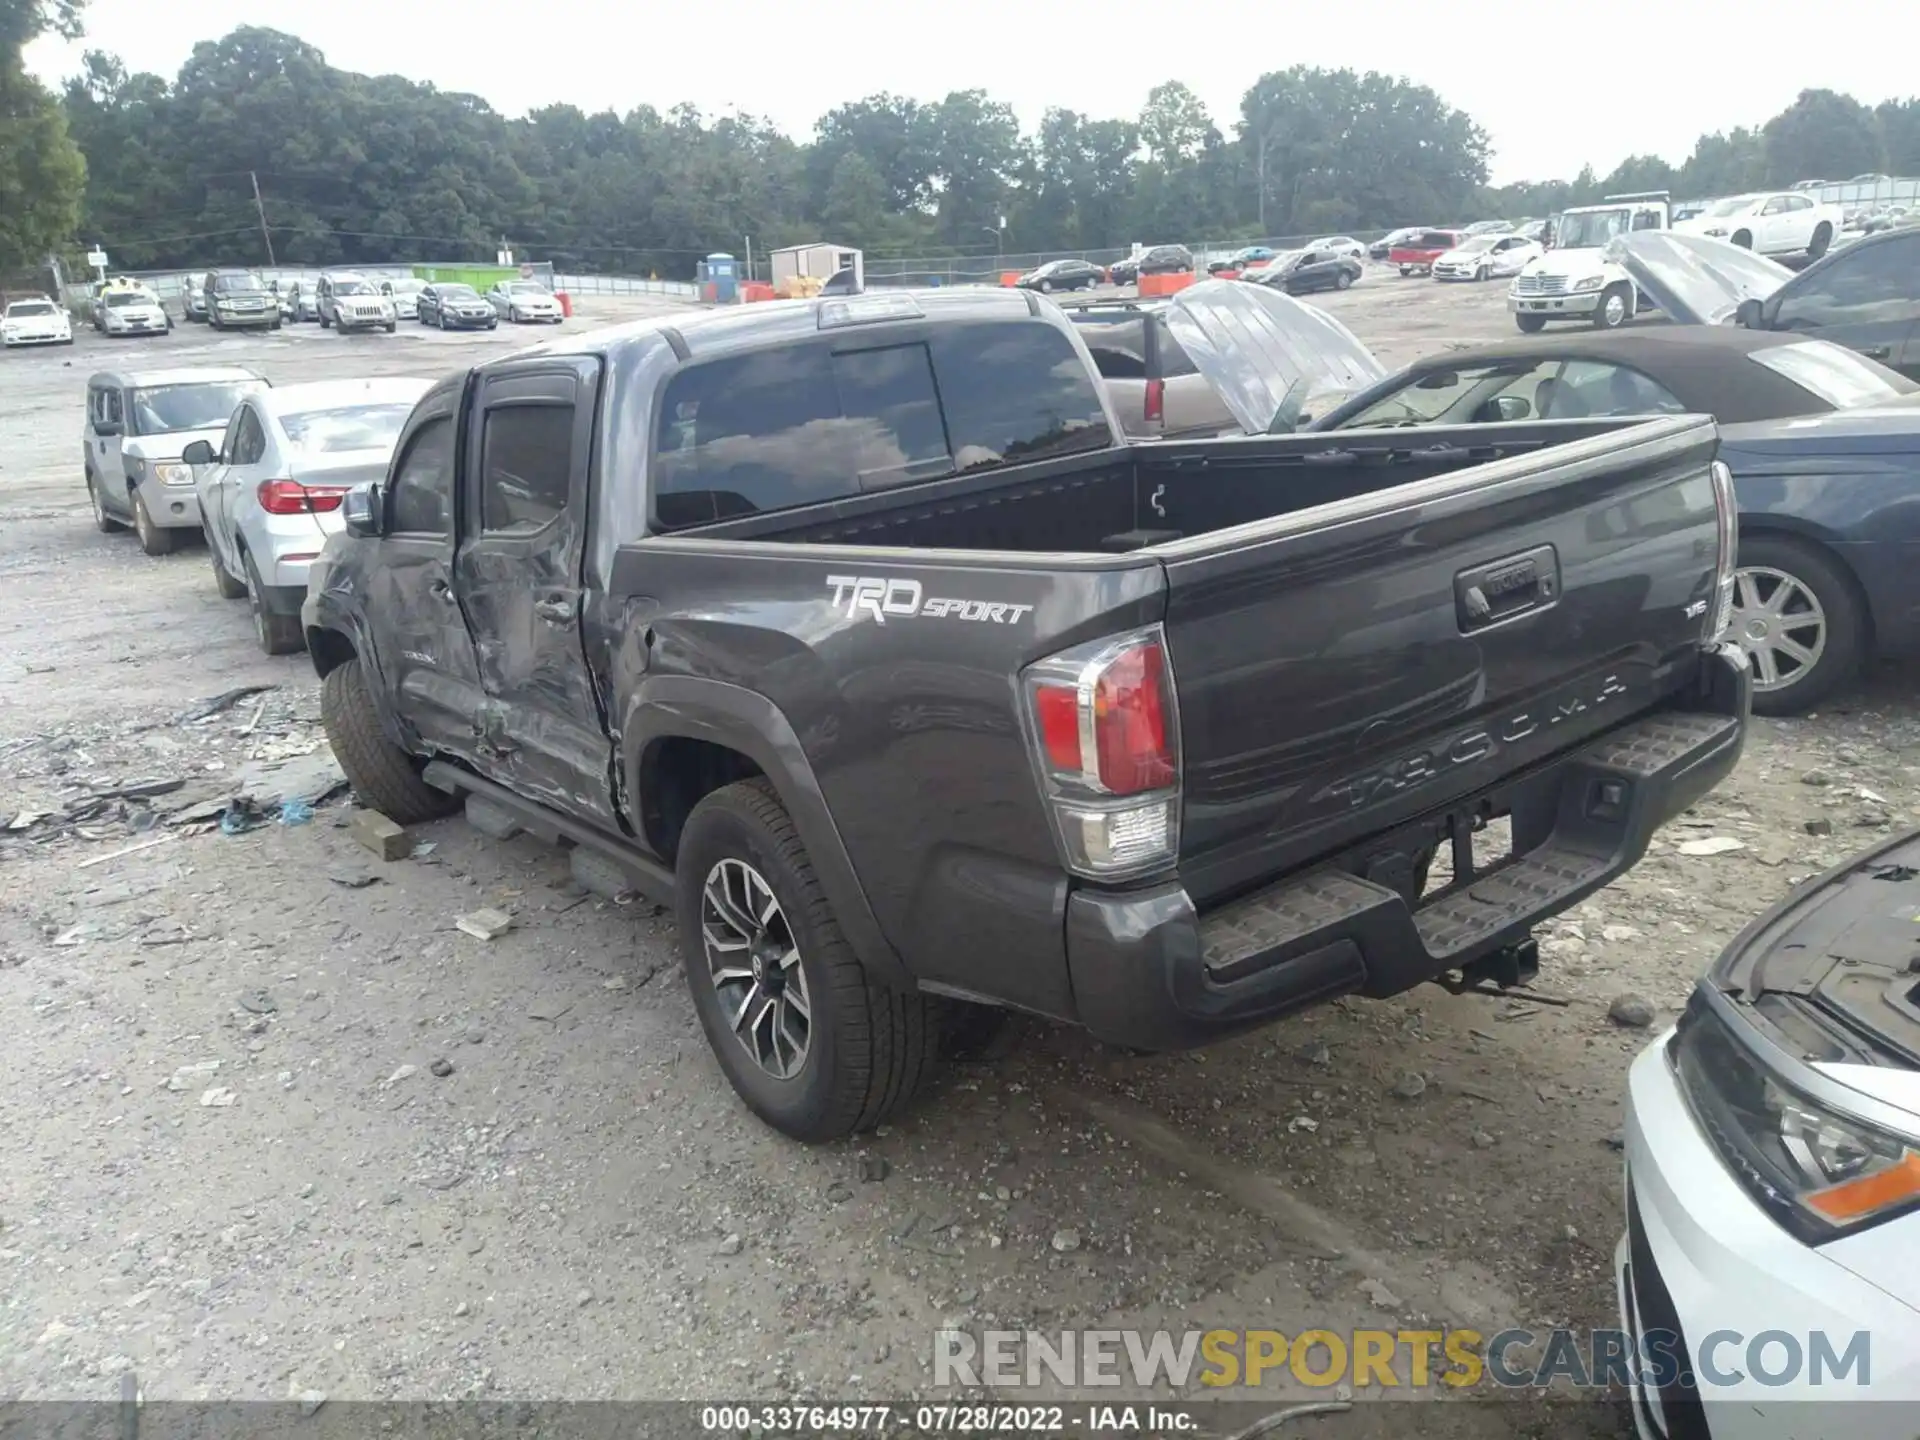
(885, 597)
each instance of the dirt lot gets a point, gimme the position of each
(274, 1127)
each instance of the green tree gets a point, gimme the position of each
(976, 151)
(42, 173)
(1899, 122)
(1174, 125)
(1724, 164)
(1821, 136)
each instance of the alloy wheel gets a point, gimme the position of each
(1616, 306)
(755, 965)
(1779, 622)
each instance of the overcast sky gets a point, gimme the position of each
(1612, 79)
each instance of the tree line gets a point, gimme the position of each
(259, 143)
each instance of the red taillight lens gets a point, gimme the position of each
(1131, 734)
(290, 497)
(1156, 399)
(1057, 708)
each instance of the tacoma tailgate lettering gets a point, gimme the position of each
(880, 596)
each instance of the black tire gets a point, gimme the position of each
(869, 1048)
(1406, 270)
(1816, 570)
(1605, 316)
(277, 634)
(1483, 274)
(384, 776)
(1342, 279)
(325, 324)
(102, 521)
(1530, 324)
(154, 539)
(1046, 287)
(229, 588)
(392, 325)
(1822, 239)
(1743, 239)
(494, 324)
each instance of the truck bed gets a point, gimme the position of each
(1374, 640)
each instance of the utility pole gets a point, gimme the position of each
(260, 207)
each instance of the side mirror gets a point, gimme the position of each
(361, 510)
(1749, 315)
(1511, 407)
(198, 453)
(108, 427)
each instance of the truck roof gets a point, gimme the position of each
(717, 332)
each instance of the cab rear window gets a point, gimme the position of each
(776, 428)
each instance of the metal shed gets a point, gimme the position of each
(820, 261)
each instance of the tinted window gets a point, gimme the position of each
(527, 456)
(1589, 387)
(422, 501)
(249, 440)
(1834, 373)
(1015, 392)
(1873, 284)
(30, 307)
(189, 407)
(1118, 346)
(792, 426)
(351, 427)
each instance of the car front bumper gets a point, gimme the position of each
(1583, 303)
(37, 337)
(244, 318)
(1702, 1267)
(343, 321)
(469, 322)
(1148, 970)
(171, 507)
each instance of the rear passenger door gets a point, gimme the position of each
(518, 577)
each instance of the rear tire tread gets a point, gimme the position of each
(382, 775)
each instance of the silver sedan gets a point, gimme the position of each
(270, 493)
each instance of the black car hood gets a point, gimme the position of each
(1831, 973)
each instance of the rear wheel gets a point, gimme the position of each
(223, 581)
(1530, 324)
(154, 539)
(1799, 619)
(1822, 238)
(1046, 287)
(383, 775)
(808, 1041)
(1743, 238)
(1343, 279)
(1615, 308)
(277, 634)
(1406, 269)
(102, 521)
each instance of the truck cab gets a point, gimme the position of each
(1574, 279)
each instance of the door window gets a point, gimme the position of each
(527, 460)
(1775, 206)
(1592, 387)
(422, 500)
(110, 408)
(249, 440)
(1458, 396)
(1871, 285)
(230, 441)
(1015, 392)
(1118, 346)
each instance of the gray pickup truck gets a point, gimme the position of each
(855, 631)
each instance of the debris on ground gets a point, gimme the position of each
(1712, 845)
(488, 924)
(1410, 1086)
(440, 1068)
(1631, 1011)
(380, 835)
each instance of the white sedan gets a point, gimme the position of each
(1487, 257)
(270, 494)
(1337, 245)
(1771, 222)
(405, 295)
(518, 301)
(133, 312)
(1772, 1195)
(35, 322)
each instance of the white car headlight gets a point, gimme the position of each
(1819, 1173)
(1592, 282)
(173, 473)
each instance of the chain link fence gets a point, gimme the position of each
(986, 269)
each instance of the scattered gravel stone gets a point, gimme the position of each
(1817, 778)
(839, 1192)
(1617, 1140)
(1379, 1295)
(1066, 1241)
(405, 1072)
(441, 1068)
(1631, 1011)
(1484, 1140)
(731, 1245)
(585, 1297)
(1410, 1086)
(1314, 1052)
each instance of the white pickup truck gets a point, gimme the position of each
(1574, 280)
(1770, 222)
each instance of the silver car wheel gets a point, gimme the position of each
(1616, 306)
(1778, 621)
(755, 965)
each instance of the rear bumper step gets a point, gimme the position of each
(1151, 972)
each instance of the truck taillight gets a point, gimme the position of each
(1727, 537)
(1106, 737)
(1156, 400)
(290, 497)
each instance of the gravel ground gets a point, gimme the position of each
(274, 1127)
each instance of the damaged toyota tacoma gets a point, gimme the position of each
(854, 630)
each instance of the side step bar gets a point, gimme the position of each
(1611, 797)
(648, 876)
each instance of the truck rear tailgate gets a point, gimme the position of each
(1345, 669)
